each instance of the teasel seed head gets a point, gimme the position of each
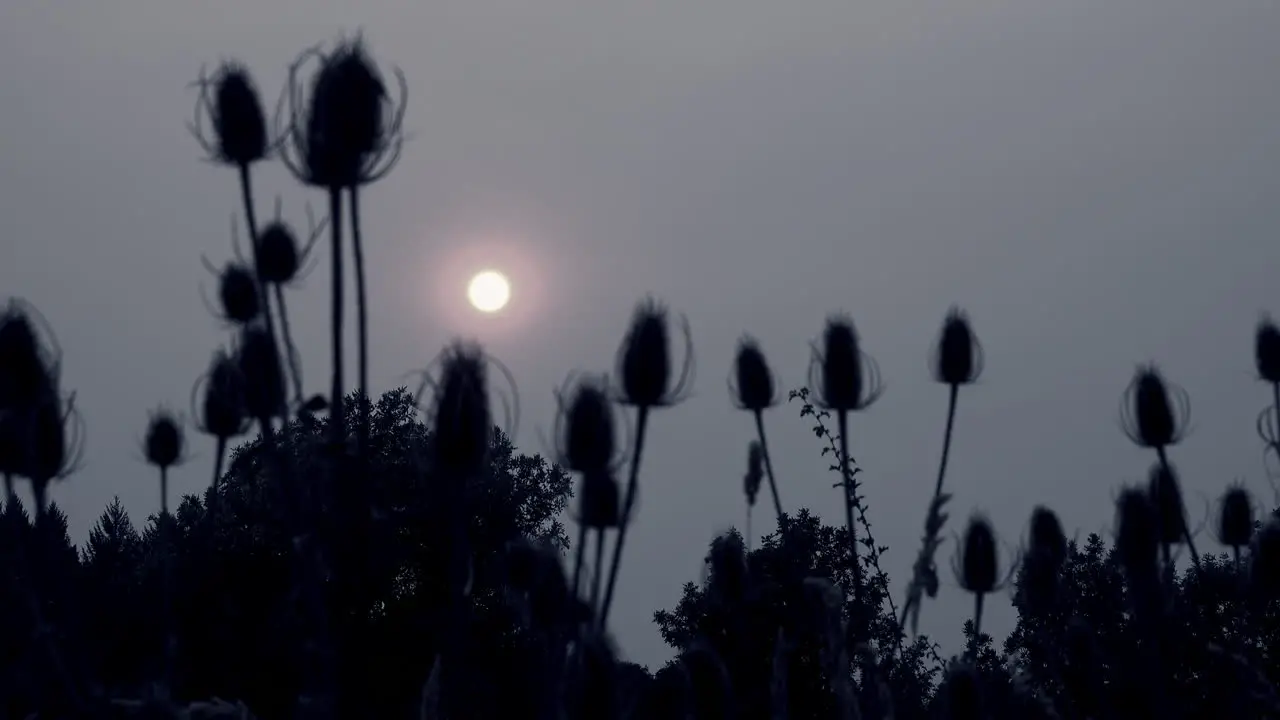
(1047, 538)
(278, 255)
(533, 567)
(164, 442)
(463, 425)
(1266, 350)
(230, 100)
(1166, 498)
(727, 561)
(1138, 540)
(1153, 411)
(847, 379)
(1042, 564)
(221, 411)
(978, 565)
(55, 440)
(644, 360)
(600, 501)
(238, 291)
(258, 359)
(585, 428)
(1235, 517)
(958, 355)
(752, 385)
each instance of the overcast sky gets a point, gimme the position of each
(1096, 182)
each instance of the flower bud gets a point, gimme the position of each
(1166, 498)
(223, 412)
(600, 499)
(278, 258)
(755, 390)
(1235, 518)
(978, 557)
(849, 379)
(462, 421)
(1154, 412)
(240, 129)
(164, 440)
(1266, 351)
(588, 439)
(262, 374)
(645, 364)
(238, 290)
(958, 356)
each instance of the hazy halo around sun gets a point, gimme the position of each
(489, 291)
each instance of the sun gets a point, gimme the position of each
(489, 291)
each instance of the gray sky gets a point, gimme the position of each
(1094, 181)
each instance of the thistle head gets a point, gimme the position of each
(258, 361)
(222, 411)
(600, 501)
(752, 385)
(755, 472)
(585, 429)
(1154, 412)
(957, 358)
(847, 378)
(230, 101)
(1235, 517)
(978, 565)
(238, 291)
(1042, 564)
(1166, 498)
(462, 423)
(644, 360)
(1047, 539)
(26, 361)
(1137, 537)
(164, 441)
(727, 561)
(278, 255)
(1266, 350)
(348, 132)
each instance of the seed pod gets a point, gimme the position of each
(223, 413)
(1235, 518)
(1166, 497)
(645, 364)
(238, 291)
(278, 258)
(849, 380)
(462, 422)
(1047, 538)
(600, 499)
(1266, 351)
(263, 376)
(755, 388)
(587, 443)
(164, 440)
(1154, 412)
(238, 120)
(958, 355)
(978, 563)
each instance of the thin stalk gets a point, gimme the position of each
(251, 221)
(337, 419)
(946, 440)
(749, 509)
(768, 464)
(579, 560)
(164, 491)
(1186, 529)
(642, 421)
(977, 622)
(362, 326)
(599, 574)
(167, 525)
(291, 350)
(842, 418)
(220, 450)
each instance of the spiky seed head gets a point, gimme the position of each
(1047, 538)
(47, 446)
(1155, 412)
(755, 388)
(23, 364)
(278, 258)
(589, 429)
(239, 126)
(223, 411)
(1166, 498)
(534, 568)
(978, 563)
(263, 376)
(1235, 517)
(958, 356)
(1266, 350)
(1264, 563)
(600, 500)
(848, 379)
(1137, 537)
(728, 562)
(238, 291)
(463, 425)
(346, 120)
(755, 472)
(164, 440)
(646, 356)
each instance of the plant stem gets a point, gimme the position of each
(580, 559)
(946, 440)
(599, 573)
(11, 496)
(850, 497)
(164, 491)
(337, 419)
(977, 622)
(1186, 530)
(362, 435)
(642, 421)
(220, 450)
(251, 222)
(768, 464)
(291, 350)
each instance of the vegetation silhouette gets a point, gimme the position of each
(397, 557)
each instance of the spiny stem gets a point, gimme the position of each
(336, 416)
(362, 328)
(1186, 529)
(599, 574)
(850, 490)
(768, 464)
(164, 491)
(291, 351)
(642, 421)
(579, 561)
(946, 440)
(251, 222)
(977, 622)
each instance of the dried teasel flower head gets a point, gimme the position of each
(1042, 564)
(1166, 497)
(462, 425)
(1154, 412)
(533, 568)
(221, 411)
(978, 566)
(847, 379)
(27, 360)
(258, 360)
(600, 501)
(278, 254)
(1266, 350)
(727, 562)
(238, 292)
(1047, 539)
(1137, 537)
(755, 472)
(644, 359)
(1235, 517)
(164, 443)
(230, 101)
(752, 385)
(957, 358)
(348, 131)
(54, 443)
(585, 428)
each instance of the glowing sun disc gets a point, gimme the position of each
(489, 291)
